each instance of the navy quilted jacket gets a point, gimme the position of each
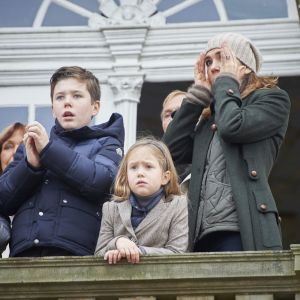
(60, 204)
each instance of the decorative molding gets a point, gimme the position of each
(129, 12)
(166, 53)
(126, 88)
(127, 92)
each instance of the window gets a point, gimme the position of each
(9, 115)
(20, 13)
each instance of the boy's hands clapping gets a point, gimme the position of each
(35, 139)
(125, 248)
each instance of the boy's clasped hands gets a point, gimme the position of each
(35, 140)
(125, 249)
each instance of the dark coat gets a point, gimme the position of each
(60, 204)
(251, 132)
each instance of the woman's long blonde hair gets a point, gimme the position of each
(121, 190)
(252, 82)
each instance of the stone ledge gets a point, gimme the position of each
(274, 272)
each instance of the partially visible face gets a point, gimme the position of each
(213, 66)
(144, 173)
(72, 104)
(172, 105)
(9, 148)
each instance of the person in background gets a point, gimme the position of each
(170, 105)
(10, 138)
(232, 149)
(56, 186)
(147, 214)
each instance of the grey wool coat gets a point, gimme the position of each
(164, 230)
(251, 132)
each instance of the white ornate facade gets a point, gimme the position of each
(126, 45)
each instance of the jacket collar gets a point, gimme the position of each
(154, 214)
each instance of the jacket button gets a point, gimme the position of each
(46, 181)
(230, 92)
(263, 206)
(279, 219)
(36, 241)
(41, 213)
(213, 127)
(65, 201)
(253, 173)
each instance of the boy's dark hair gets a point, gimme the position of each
(92, 82)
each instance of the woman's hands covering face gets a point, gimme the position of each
(230, 64)
(200, 73)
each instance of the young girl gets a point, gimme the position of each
(147, 214)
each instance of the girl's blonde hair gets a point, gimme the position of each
(121, 190)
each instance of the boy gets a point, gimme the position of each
(56, 186)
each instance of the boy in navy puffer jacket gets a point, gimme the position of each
(56, 186)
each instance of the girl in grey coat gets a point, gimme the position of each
(148, 214)
(232, 147)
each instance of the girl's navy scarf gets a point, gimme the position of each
(142, 205)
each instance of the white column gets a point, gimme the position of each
(127, 92)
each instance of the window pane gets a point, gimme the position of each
(166, 4)
(256, 9)
(59, 16)
(43, 114)
(21, 13)
(200, 12)
(18, 13)
(9, 115)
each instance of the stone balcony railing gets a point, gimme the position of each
(211, 276)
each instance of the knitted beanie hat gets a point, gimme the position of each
(242, 47)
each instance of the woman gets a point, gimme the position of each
(10, 138)
(232, 148)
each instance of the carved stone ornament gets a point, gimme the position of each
(126, 88)
(129, 12)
